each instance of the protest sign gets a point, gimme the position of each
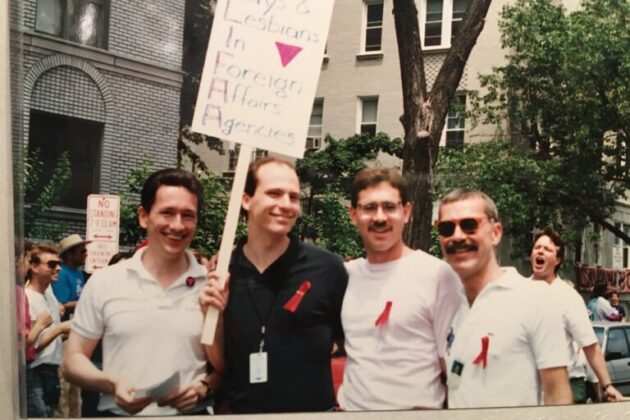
(102, 228)
(261, 72)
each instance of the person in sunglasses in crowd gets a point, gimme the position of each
(546, 257)
(397, 308)
(42, 374)
(507, 340)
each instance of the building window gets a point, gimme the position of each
(459, 9)
(233, 156)
(51, 135)
(373, 25)
(369, 108)
(442, 21)
(456, 122)
(620, 249)
(82, 21)
(622, 152)
(314, 137)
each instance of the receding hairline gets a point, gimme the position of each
(278, 163)
(252, 179)
(463, 194)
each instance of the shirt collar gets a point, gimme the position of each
(295, 251)
(509, 279)
(195, 269)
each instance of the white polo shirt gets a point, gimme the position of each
(525, 334)
(395, 366)
(39, 303)
(577, 325)
(148, 333)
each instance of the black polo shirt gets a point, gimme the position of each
(298, 344)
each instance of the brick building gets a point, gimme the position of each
(102, 80)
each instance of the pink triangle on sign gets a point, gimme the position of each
(287, 52)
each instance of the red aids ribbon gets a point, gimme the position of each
(190, 281)
(384, 316)
(294, 302)
(483, 356)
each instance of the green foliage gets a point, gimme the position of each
(326, 176)
(210, 221)
(329, 225)
(564, 91)
(519, 184)
(130, 232)
(41, 195)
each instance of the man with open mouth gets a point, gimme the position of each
(547, 256)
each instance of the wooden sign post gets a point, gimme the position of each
(257, 88)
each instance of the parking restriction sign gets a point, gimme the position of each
(103, 227)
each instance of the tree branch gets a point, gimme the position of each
(450, 73)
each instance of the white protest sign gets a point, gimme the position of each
(102, 228)
(261, 72)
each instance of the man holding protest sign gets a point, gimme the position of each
(280, 310)
(146, 312)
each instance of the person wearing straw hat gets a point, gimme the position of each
(72, 250)
(67, 289)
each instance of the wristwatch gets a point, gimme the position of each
(209, 390)
(605, 387)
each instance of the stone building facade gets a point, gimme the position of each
(102, 80)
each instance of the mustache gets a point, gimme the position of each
(459, 246)
(378, 226)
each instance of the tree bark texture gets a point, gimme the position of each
(424, 111)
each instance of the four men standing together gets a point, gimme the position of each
(412, 328)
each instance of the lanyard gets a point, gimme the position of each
(263, 324)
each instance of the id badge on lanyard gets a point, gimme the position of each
(258, 363)
(258, 367)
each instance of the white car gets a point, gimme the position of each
(614, 338)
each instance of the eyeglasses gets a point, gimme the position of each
(468, 225)
(52, 264)
(389, 207)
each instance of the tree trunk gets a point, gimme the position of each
(424, 113)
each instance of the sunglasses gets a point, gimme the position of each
(468, 225)
(52, 264)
